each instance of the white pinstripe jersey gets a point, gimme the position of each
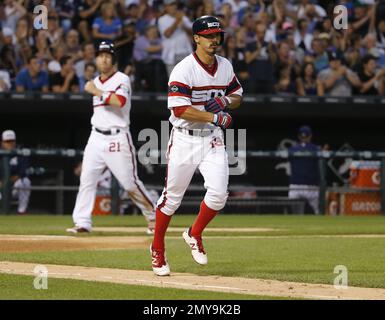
(106, 117)
(192, 84)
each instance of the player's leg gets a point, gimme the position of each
(122, 163)
(179, 172)
(312, 196)
(214, 168)
(92, 167)
(21, 190)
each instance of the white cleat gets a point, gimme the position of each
(159, 262)
(150, 227)
(78, 230)
(197, 251)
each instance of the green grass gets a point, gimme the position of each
(298, 255)
(287, 224)
(300, 260)
(21, 288)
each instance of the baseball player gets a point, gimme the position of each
(110, 143)
(304, 178)
(21, 184)
(201, 87)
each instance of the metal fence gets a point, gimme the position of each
(257, 191)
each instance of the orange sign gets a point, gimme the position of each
(102, 206)
(360, 203)
(365, 174)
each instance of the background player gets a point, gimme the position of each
(110, 143)
(304, 178)
(18, 165)
(201, 87)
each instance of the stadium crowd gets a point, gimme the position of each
(284, 47)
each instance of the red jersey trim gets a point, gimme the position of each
(105, 80)
(204, 66)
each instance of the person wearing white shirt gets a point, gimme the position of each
(175, 30)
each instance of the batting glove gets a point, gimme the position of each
(217, 104)
(223, 120)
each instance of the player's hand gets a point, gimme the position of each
(90, 87)
(223, 120)
(217, 104)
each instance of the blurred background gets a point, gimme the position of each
(295, 67)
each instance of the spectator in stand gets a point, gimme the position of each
(236, 55)
(54, 64)
(307, 82)
(13, 11)
(32, 78)
(88, 54)
(338, 80)
(151, 74)
(5, 80)
(363, 20)
(54, 32)
(285, 85)
(380, 32)
(353, 59)
(42, 49)
(139, 14)
(65, 80)
(125, 45)
(302, 38)
(23, 42)
(175, 30)
(260, 58)
(8, 54)
(87, 10)
(206, 9)
(373, 83)
(370, 46)
(88, 74)
(73, 47)
(321, 61)
(108, 26)
(66, 11)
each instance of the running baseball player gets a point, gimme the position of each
(110, 143)
(201, 87)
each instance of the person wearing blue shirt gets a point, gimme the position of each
(32, 78)
(304, 178)
(107, 27)
(18, 166)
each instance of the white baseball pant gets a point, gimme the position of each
(308, 192)
(21, 190)
(118, 154)
(187, 153)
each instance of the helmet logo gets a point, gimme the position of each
(213, 24)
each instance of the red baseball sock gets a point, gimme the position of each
(202, 220)
(161, 224)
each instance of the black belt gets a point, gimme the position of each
(107, 132)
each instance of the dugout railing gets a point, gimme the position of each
(327, 191)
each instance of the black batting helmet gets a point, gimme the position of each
(207, 25)
(108, 47)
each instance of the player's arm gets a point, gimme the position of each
(110, 98)
(231, 100)
(191, 114)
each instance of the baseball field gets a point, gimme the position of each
(250, 257)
